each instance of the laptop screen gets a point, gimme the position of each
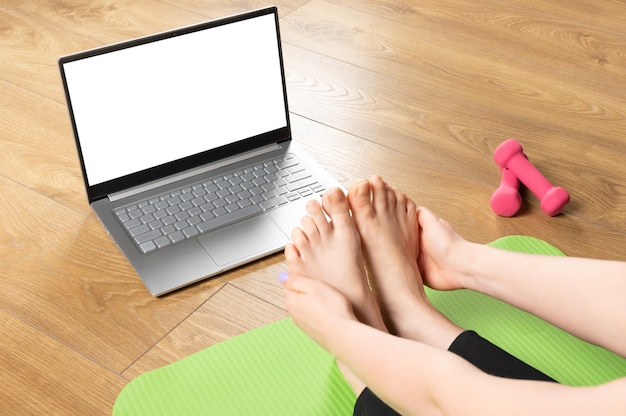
(152, 103)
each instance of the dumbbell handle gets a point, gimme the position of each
(509, 179)
(506, 200)
(509, 155)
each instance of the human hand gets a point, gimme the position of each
(440, 252)
(315, 306)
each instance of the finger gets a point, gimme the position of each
(424, 216)
(295, 282)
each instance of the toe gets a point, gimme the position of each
(291, 253)
(299, 238)
(336, 205)
(401, 202)
(359, 198)
(309, 228)
(382, 195)
(317, 217)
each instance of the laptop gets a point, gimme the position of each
(186, 148)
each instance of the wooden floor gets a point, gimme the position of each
(419, 91)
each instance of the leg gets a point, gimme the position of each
(330, 250)
(493, 360)
(387, 222)
(473, 348)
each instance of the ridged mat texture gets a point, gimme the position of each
(278, 370)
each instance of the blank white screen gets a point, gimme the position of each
(143, 106)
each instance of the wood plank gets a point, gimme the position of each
(533, 34)
(42, 376)
(46, 147)
(60, 272)
(434, 130)
(432, 66)
(229, 312)
(213, 9)
(606, 14)
(260, 279)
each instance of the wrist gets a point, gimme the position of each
(338, 336)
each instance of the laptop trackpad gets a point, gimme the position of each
(245, 241)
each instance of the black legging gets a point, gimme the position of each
(475, 349)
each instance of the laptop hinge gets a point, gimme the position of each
(192, 172)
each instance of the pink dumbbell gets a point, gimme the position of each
(506, 200)
(509, 155)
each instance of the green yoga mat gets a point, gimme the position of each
(278, 370)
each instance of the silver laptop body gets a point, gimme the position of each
(186, 150)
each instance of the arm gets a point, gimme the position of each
(584, 297)
(418, 379)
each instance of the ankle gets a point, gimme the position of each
(427, 325)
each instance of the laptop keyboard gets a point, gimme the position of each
(193, 210)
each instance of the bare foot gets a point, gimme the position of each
(387, 222)
(330, 250)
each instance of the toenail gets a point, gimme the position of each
(336, 193)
